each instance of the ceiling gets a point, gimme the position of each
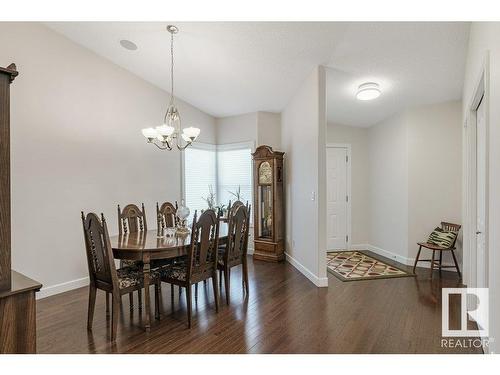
(229, 68)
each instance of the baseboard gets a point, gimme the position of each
(318, 281)
(398, 258)
(63, 287)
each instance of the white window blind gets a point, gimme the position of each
(234, 170)
(225, 169)
(199, 174)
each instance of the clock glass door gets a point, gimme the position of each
(265, 211)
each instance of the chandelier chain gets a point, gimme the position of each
(172, 67)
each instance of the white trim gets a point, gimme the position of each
(48, 291)
(320, 282)
(347, 146)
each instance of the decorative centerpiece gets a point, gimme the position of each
(182, 214)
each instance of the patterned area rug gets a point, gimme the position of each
(354, 265)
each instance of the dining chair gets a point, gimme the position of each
(201, 263)
(166, 216)
(131, 220)
(449, 227)
(234, 252)
(103, 273)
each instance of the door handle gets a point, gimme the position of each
(478, 232)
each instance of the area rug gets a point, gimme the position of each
(354, 265)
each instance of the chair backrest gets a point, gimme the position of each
(131, 219)
(166, 215)
(234, 206)
(451, 228)
(202, 256)
(237, 241)
(99, 252)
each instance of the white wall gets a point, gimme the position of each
(76, 145)
(302, 123)
(484, 44)
(358, 139)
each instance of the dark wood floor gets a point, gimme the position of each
(285, 313)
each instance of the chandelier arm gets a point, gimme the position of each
(182, 148)
(167, 147)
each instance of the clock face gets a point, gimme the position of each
(265, 173)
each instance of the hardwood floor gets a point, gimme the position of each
(285, 313)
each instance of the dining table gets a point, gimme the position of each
(151, 245)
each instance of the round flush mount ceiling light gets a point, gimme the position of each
(127, 44)
(368, 91)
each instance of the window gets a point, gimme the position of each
(225, 168)
(199, 173)
(234, 171)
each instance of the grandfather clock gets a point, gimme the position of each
(17, 292)
(269, 213)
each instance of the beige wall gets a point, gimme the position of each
(304, 141)
(262, 128)
(406, 177)
(484, 46)
(234, 129)
(76, 145)
(388, 186)
(435, 172)
(358, 139)
(269, 129)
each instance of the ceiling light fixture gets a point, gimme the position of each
(368, 91)
(127, 44)
(163, 136)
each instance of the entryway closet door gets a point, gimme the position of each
(481, 255)
(336, 165)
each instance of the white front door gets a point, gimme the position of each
(336, 182)
(481, 254)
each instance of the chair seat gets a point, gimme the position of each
(433, 246)
(137, 264)
(175, 271)
(130, 276)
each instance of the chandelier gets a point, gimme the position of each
(165, 135)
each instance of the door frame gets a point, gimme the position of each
(347, 147)
(480, 94)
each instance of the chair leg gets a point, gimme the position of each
(216, 291)
(456, 264)
(227, 282)
(189, 307)
(131, 300)
(90, 317)
(172, 296)
(107, 305)
(157, 302)
(196, 293)
(432, 261)
(440, 262)
(416, 259)
(220, 278)
(245, 276)
(139, 297)
(114, 317)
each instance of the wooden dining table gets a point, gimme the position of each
(147, 246)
